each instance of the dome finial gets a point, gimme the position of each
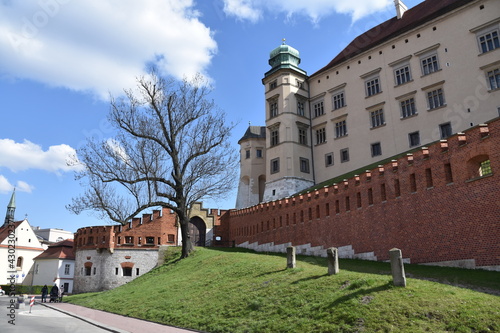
(283, 40)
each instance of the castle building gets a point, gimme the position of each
(109, 256)
(422, 76)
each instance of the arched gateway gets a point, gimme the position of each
(197, 231)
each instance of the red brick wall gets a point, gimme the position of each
(159, 224)
(441, 211)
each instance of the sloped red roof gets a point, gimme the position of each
(59, 250)
(4, 231)
(412, 18)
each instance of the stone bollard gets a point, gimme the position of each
(397, 268)
(290, 257)
(333, 260)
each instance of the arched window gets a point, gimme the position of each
(19, 263)
(479, 166)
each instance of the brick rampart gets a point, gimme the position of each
(434, 205)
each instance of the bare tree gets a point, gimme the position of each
(171, 150)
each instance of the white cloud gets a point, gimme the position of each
(28, 155)
(314, 9)
(101, 46)
(6, 186)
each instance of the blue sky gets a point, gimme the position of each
(60, 60)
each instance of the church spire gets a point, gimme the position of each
(11, 208)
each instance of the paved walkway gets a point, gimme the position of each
(113, 322)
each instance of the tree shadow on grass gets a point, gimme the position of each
(362, 292)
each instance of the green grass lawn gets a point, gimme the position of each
(235, 290)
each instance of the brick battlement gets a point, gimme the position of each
(148, 231)
(433, 203)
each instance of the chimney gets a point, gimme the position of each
(400, 8)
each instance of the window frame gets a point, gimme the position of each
(411, 137)
(373, 86)
(318, 109)
(327, 162)
(445, 130)
(495, 40)
(304, 165)
(406, 75)
(340, 128)
(435, 98)
(409, 104)
(274, 137)
(374, 150)
(344, 155)
(320, 134)
(338, 100)
(275, 165)
(377, 118)
(493, 78)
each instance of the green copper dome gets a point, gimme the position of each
(284, 56)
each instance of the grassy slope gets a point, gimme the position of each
(241, 291)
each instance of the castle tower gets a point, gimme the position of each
(11, 208)
(252, 167)
(288, 144)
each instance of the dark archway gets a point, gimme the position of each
(198, 231)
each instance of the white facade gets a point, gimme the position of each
(27, 247)
(429, 72)
(54, 271)
(53, 235)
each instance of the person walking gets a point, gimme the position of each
(45, 291)
(54, 294)
(61, 293)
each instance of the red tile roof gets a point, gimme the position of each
(412, 18)
(4, 231)
(59, 250)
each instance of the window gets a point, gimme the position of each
(302, 135)
(116, 270)
(137, 271)
(275, 138)
(377, 118)
(429, 64)
(95, 270)
(170, 238)
(414, 139)
(408, 108)
(88, 270)
(489, 41)
(150, 240)
(485, 168)
(19, 264)
(258, 153)
(129, 240)
(372, 86)
(435, 99)
(318, 109)
(247, 154)
(127, 271)
(338, 100)
(66, 269)
(402, 75)
(329, 159)
(300, 107)
(340, 128)
(320, 135)
(273, 84)
(275, 165)
(445, 130)
(304, 165)
(376, 149)
(273, 108)
(344, 155)
(494, 79)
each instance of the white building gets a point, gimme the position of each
(427, 73)
(27, 247)
(56, 265)
(49, 236)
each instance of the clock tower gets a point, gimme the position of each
(288, 142)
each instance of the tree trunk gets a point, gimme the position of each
(187, 244)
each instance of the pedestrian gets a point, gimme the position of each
(54, 294)
(61, 293)
(45, 291)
